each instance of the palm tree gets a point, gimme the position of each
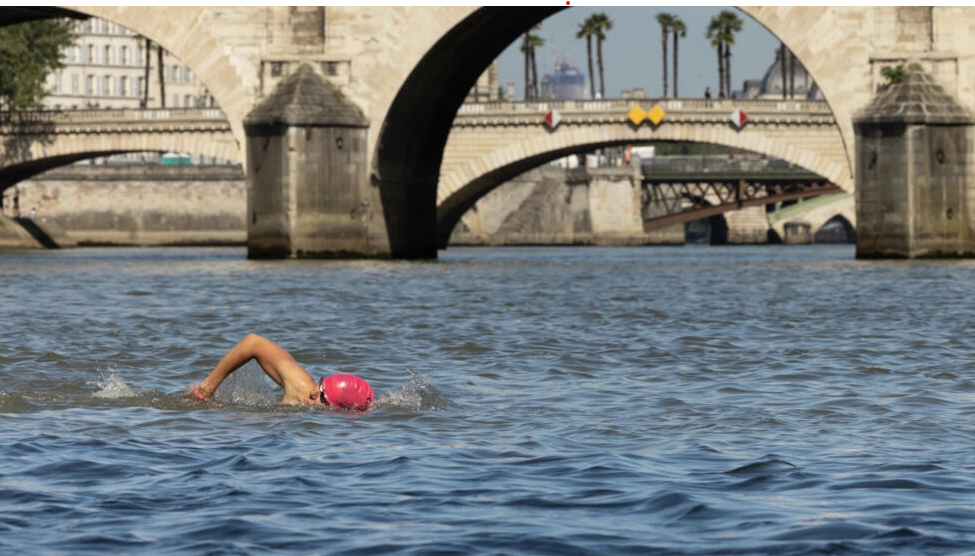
(792, 74)
(162, 77)
(677, 27)
(665, 21)
(714, 33)
(782, 69)
(144, 102)
(530, 43)
(528, 79)
(586, 30)
(601, 24)
(731, 24)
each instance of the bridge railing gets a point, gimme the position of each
(111, 114)
(623, 105)
(717, 163)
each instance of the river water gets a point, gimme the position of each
(695, 400)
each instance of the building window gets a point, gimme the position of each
(89, 85)
(107, 55)
(277, 68)
(141, 85)
(187, 101)
(57, 83)
(187, 76)
(175, 101)
(91, 54)
(123, 86)
(106, 85)
(331, 68)
(124, 56)
(74, 83)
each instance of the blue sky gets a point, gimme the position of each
(632, 52)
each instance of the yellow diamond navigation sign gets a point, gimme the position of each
(636, 115)
(656, 114)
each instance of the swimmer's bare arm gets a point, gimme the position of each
(299, 386)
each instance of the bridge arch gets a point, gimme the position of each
(817, 212)
(40, 156)
(464, 186)
(839, 221)
(187, 33)
(410, 147)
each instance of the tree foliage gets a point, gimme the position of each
(28, 53)
(666, 21)
(893, 74)
(679, 29)
(587, 30)
(530, 43)
(721, 32)
(600, 24)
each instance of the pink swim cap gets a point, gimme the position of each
(346, 391)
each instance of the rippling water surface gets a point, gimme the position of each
(694, 400)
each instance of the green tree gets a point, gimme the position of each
(162, 76)
(145, 79)
(893, 74)
(782, 56)
(792, 74)
(677, 27)
(530, 43)
(731, 24)
(665, 21)
(144, 101)
(28, 53)
(586, 31)
(149, 46)
(714, 34)
(721, 31)
(601, 24)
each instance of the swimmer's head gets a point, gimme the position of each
(346, 391)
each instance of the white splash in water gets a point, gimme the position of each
(416, 395)
(112, 386)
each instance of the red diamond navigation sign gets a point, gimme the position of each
(738, 117)
(553, 118)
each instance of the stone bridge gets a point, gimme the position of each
(35, 142)
(408, 69)
(489, 143)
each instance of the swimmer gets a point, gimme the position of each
(343, 391)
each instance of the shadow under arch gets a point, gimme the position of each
(711, 230)
(450, 211)
(412, 138)
(15, 173)
(835, 230)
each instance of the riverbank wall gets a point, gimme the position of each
(139, 205)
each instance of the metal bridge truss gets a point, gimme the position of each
(676, 201)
